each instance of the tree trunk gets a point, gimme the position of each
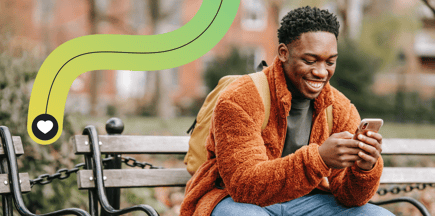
(95, 75)
(161, 96)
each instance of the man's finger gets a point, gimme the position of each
(370, 150)
(343, 135)
(349, 151)
(376, 136)
(366, 158)
(349, 143)
(350, 158)
(370, 141)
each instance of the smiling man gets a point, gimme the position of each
(294, 166)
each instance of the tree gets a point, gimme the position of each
(160, 102)
(234, 64)
(95, 75)
(18, 70)
(354, 76)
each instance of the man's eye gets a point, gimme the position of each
(309, 62)
(330, 63)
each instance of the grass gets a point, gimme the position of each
(138, 125)
(408, 131)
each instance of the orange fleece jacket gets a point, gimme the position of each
(249, 160)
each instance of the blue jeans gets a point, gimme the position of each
(317, 204)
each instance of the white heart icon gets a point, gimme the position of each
(45, 126)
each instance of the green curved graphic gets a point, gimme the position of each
(120, 52)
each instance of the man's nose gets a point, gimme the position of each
(320, 72)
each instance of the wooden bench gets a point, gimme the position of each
(12, 183)
(97, 181)
(127, 178)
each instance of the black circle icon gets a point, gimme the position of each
(45, 127)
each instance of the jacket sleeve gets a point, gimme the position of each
(353, 186)
(247, 172)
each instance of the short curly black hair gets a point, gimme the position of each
(306, 19)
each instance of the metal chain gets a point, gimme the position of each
(65, 173)
(406, 188)
(135, 163)
(60, 174)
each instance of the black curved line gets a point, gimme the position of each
(49, 92)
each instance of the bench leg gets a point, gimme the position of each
(99, 183)
(113, 194)
(15, 181)
(411, 200)
(114, 126)
(6, 198)
(92, 193)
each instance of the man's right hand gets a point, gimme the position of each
(340, 150)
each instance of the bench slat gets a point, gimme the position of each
(134, 144)
(17, 144)
(179, 145)
(127, 178)
(396, 175)
(5, 188)
(408, 146)
(178, 177)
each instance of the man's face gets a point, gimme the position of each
(309, 63)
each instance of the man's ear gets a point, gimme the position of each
(283, 52)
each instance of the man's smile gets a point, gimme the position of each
(315, 85)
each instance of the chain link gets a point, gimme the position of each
(135, 163)
(60, 174)
(406, 188)
(65, 173)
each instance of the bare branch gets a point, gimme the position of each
(118, 23)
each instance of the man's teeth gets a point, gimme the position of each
(315, 84)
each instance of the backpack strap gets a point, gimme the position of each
(329, 118)
(260, 81)
(261, 66)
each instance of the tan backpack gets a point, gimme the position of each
(197, 154)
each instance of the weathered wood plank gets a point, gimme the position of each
(134, 144)
(408, 146)
(17, 144)
(396, 175)
(127, 178)
(5, 188)
(179, 145)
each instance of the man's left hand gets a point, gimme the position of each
(371, 150)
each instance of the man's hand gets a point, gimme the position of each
(340, 150)
(371, 146)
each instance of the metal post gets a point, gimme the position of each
(6, 198)
(92, 195)
(114, 126)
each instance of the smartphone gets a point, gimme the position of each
(369, 124)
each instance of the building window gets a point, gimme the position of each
(254, 16)
(131, 84)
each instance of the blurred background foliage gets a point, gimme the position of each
(378, 50)
(233, 64)
(18, 69)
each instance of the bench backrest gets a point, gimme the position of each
(24, 177)
(179, 145)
